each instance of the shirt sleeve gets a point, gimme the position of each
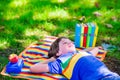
(55, 67)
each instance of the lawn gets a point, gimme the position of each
(23, 22)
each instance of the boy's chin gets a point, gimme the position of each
(72, 50)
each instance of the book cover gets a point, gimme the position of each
(77, 35)
(88, 36)
(82, 34)
(95, 36)
(92, 34)
(85, 35)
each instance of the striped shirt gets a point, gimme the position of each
(79, 66)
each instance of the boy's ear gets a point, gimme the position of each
(59, 53)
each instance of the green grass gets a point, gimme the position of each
(25, 21)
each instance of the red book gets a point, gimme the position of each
(85, 35)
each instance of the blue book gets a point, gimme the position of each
(92, 35)
(77, 35)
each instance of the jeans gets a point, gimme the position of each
(111, 78)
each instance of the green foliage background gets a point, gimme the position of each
(25, 21)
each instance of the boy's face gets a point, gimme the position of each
(65, 46)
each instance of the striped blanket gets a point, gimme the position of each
(37, 52)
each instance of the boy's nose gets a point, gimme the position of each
(71, 44)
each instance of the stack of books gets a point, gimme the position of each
(86, 35)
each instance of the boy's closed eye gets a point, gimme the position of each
(64, 42)
(68, 42)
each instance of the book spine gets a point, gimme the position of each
(82, 33)
(95, 36)
(85, 35)
(88, 35)
(77, 35)
(92, 35)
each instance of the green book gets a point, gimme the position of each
(88, 35)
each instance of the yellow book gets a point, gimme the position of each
(82, 35)
(96, 32)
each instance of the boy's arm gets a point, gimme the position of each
(42, 66)
(39, 67)
(92, 50)
(49, 60)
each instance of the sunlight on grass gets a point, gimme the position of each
(111, 39)
(4, 44)
(83, 4)
(49, 27)
(12, 12)
(107, 15)
(27, 42)
(31, 32)
(31, 35)
(40, 16)
(34, 32)
(55, 14)
(11, 16)
(58, 1)
(65, 33)
(89, 3)
(106, 38)
(58, 13)
(18, 3)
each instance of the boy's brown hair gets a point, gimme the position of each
(55, 47)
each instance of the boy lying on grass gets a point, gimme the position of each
(74, 65)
